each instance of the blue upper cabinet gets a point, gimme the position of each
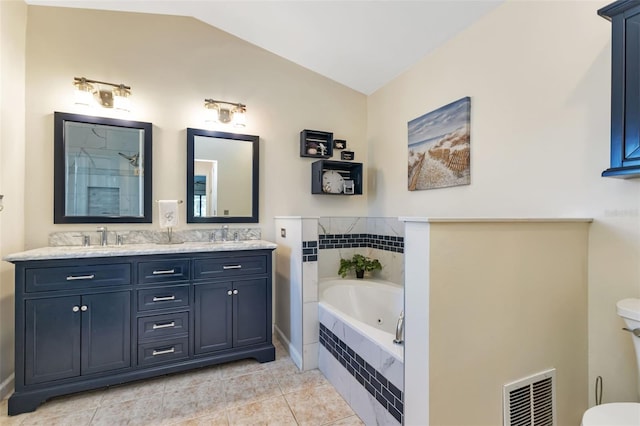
(625, 88)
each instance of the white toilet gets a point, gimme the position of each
(620, 413)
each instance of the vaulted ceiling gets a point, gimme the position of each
(361, 44)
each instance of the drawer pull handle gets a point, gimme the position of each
(165, 325)
(163, 298)
(229, 292)
(83, 308)
(225, 267)
(80, 277)
(235, 291)
(164, 352)
(164, 272)
(75, 308)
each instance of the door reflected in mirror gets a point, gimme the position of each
(102, 172)
(222, 177)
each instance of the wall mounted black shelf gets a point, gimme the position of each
(316, 144)
(336, 177)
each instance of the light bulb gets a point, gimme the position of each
(121, 99)
(213, 113)
(83, 94)
(239, 118)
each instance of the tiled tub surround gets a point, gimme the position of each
(368, 378)
(75, 238)
(297, 288)
(380, 238)
(381, 242)
(309, 251)
(378, 386)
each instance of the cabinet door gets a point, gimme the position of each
(213, 305)
(632, 90)
(106, 332)
(52, 339)
(250, 312)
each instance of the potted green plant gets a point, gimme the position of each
(360, 264)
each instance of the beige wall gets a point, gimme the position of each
(538, 74)
(13, 19)
(507, 300)
(172, 64)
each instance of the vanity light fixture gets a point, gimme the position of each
(225, 112)
(114, 96)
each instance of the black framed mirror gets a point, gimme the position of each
(222, 177)
(102, 170)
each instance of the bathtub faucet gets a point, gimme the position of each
(399, 330)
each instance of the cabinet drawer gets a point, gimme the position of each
(158, 326)
(220, 267)
(72, 277)
(163, 297)
(162, 271)
(166, 350)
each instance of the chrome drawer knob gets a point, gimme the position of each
(235, 291)
(83, 308)
(229, 292)
(75, 308)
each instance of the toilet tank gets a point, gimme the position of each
(629, 310)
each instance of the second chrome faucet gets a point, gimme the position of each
(224, 235)
(103, 235)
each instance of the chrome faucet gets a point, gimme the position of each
(399, 330)
(225, 232)
(103, 235)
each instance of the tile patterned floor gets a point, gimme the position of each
(238, 393)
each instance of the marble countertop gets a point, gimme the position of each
(71, 252)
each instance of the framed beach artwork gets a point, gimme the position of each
(439, 147)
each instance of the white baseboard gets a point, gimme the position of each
(6, 387)
(293, 353)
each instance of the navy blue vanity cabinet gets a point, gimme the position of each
(70, 330)
(76, 335)
(233, 302)
(88, 323)
(625, 88)
(72, 326)
(230, 314)
(164, 310)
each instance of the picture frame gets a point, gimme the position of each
(439, 147)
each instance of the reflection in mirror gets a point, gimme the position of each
(102, 170)
(222, 177)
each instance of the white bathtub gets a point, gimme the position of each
(357, 355)
(370, 306)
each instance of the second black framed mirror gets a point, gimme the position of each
(222, 177)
